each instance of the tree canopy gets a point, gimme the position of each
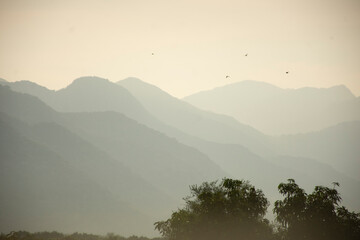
(315, 216)
(234, 209)
(226, 210)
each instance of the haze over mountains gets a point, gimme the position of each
(48, 147)
(273, 110)
(40, 190)
(233, 156)
(133, 150)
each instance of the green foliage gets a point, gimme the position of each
(315, 216)
(349, 223)
(289, 212)
(234, 209)
(231, 209)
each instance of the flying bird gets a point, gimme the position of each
(152, 53)
(287, 72)
(246, 55)
(227, 76)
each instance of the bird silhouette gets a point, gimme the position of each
(246, 55)
(227, 76)
(287, 72)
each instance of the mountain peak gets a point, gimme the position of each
(89, 79)
(27, 83)
(337, 91)
(256, 85)
(131, 79)
(342, 88)
(89, 83)
(244, 85)
(276, 110)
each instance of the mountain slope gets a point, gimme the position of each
(31, 88)
(40, 191)
(193, 121)
(85, 94)
(91, 94)
(273, 110)
(337, 145)
(110, 131)
(266, 172)
(121, 182)
(28, 108)
(159, 159)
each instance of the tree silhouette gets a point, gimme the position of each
(231, 209)
(315, 216)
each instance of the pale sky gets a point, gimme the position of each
(195, 43)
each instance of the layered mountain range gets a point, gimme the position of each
(277, 111)
(99, 156)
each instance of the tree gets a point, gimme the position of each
(349, 222)
(231, 209)
(314, 216)
(290, 211)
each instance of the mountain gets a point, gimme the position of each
(276, 111)
(40, 190)
(85, 94)
(279, 108)
(337, 145)
(92, 94)
(155, 157)
(236, 159)
(114, 151)
(25, 86)
(193, 121)
(161, 160)
(29, 109)
(108, 172)
(99, 95)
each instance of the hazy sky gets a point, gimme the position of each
(195, 43)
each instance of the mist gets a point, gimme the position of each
(124, 120)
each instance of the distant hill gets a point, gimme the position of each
(273, 110)
(42, 190)
(85, 94)
(190, 126)
(162, 161)
(150, 154)
(236, 159)
(25, 86)
(24, 106)
(93, 94)
(338, 145)
(193, 121)
(98, 95)
(159, 160)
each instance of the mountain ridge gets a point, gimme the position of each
(236, 159)
(276, 111)
(254, 83)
